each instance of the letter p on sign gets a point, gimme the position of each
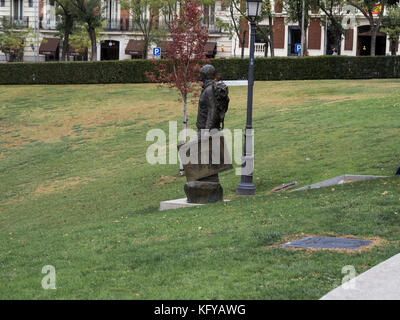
(156, 52)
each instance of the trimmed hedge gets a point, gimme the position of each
(309, 68)
(133, 71)
(123, 71)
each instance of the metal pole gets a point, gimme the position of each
(302, 29)
(246, 186)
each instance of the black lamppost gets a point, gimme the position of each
(246, 186)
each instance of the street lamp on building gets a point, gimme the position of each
(246, 186)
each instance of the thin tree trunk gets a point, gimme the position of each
(184, 140)
(243, 40)
(266, 48)
(271, 37)
(68, 27)
(393, 47)
(338, 43)
(185, 117)
(303, 30)
(92, 35)
(146, 47)
(373, 40)
(235, 26)
(271, 49)
(305, 41)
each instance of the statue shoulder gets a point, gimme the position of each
(210, 89)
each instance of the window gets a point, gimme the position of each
(18, 6)
(2, 3)
(209, 16)
(31, 3)
(110, 10)
(168, 16)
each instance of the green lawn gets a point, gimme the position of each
(77, 193)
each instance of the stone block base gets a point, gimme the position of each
(203, 192)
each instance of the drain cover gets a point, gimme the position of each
(327, 243)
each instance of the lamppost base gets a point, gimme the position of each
(246, 189)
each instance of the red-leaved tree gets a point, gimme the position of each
(185, 54)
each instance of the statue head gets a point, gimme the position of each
(207, 72)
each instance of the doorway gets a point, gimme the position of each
(364, 45)
(294, 37)
(109, 50)
(364, 42)
(333, 42)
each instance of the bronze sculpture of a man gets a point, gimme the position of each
(207, 114)
(202, 178)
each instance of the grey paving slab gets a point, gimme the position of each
(346, 178)
(327, 243)
(381, 282)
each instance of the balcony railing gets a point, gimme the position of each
(259, 49)
(112, 25)
(213, 28)
(49, 24)
(21, 23)
(17, 22)
(120, 25)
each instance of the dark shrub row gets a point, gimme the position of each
(306, 68)
(133, 71)
(123, 71)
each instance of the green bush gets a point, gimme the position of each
(133, 71)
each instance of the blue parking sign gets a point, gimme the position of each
(156, 51)
(297, 47)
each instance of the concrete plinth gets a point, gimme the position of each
(179, 203)
(176, 204)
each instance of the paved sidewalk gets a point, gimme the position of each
(381, 282)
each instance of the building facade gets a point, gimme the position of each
(120, 39)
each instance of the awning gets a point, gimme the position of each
(76, 52)
(49, 46)
(210, 49)
(135, 47)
